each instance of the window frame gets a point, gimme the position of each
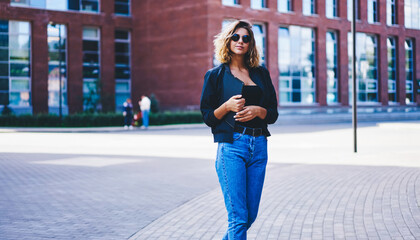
(334, 90)
(11, 78)
(235, 3)
(296, 85)
(392, 50)
(120, 80)
(289, 4)
(89, 80)
(121, 14)
(411, 67)
(263, 5)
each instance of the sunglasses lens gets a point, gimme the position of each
(246, 38)
(235, 37)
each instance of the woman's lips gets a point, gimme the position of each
(239, 47)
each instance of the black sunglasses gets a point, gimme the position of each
(245, 38)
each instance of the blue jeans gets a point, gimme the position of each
(241, 168)
(145, 115)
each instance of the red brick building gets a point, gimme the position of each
(107, 50)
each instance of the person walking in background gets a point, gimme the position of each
(128, 114)
(238, 100)
(145, 109)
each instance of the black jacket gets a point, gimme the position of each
(211, 99)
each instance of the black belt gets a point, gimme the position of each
(255, 132)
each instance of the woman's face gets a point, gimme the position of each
(239, 47)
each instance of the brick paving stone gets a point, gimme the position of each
(311, 202)
(310, 192)
(43, 201)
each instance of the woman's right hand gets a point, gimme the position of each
(235, 103)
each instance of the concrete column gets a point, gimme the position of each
(342, 9)
(320, 8)
(382, 69)
(75, 66)
(39, 66)
(297, 6)
(321, 66)
(362, 9)
(107, 76)
(343, 68)
(272, 4)
(401, 74)
(107, 6)
(245, 3)
(382, 11)
(400, 12)
(139, 53)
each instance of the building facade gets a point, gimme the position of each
(96, 53)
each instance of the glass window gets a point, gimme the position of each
(91, 68)
(4, 62)
(122, 7)
(90, 33)
(412, 14)
(367, 71)
(331, 8)
(19, 69)
(29, 3)
(350, 10)
(57, 50)
(260, 38)
(4, 54)
(20, 84)
(284, 5)
(123, 35)
(258, 4)
(391, 12)
(4, 69)
(230, 2)
(16, 27)
(19, 54)
(89, 5)
(4, 84)
(57, 5)
(4, 26)
(19, 2)
(332, 66)
(64, 5)
(372, 11)
(392, 71)
(21, 98)
(308, 7)
(122, 67)
(74, 5)
(15, 70)
(297, 73)
(19, 42)
(409, 71)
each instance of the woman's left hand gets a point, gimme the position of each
(248, 113)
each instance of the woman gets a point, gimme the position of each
(237, 102)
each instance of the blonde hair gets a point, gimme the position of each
(222, 44)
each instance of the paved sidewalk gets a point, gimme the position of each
(287, 116)
(161, 184)
(310, 202)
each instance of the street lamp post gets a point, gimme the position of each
(60, 102)
(353, 30)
